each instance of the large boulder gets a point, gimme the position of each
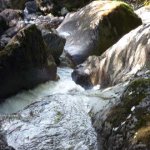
(25, 62)
(118, 63)
(57, 122)
(95, 28)
(14, 4)
(126, 125)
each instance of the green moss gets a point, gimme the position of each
(143, 119)
(133, 95)
(58, 117)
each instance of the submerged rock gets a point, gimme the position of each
(126, 124)
(118, 63)
(25, 62)
(55, 122)
(96, 27)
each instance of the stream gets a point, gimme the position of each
(61, 112)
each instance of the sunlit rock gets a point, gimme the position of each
(119, 63)
(96, 27)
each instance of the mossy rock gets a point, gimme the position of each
(127, 125)
(96, 27)
(133, 95)
(25, 62)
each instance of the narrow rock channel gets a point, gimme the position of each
(60, 110)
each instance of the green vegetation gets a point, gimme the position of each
(58, 117)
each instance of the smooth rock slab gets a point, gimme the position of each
(60, 123)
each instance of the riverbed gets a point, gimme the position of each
(62, 113)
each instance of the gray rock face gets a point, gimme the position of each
(51, 123)
(25, 62)
(126, 124)
(3, 143)
(118, 63)
(96, 27)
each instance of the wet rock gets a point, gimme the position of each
(48, 22)
(51, 123)
(24, 62)
(129, 119)
(119, 63)
(13, 4)
(96, 27)
(3, 143)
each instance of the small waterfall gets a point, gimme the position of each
(68, 109)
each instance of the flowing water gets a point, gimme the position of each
(65, 117)
(64, 86)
